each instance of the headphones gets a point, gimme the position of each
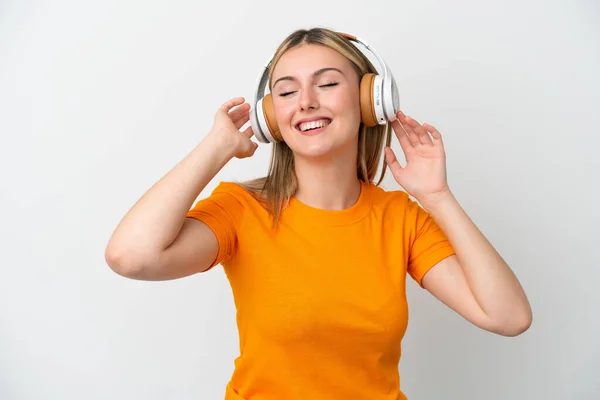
(379, 99)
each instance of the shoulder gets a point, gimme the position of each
(229, 188)
(226, 201)
(233, 189)
(398, 206)
(235, 192)
(391, 198)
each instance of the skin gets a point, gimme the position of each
(325, 163)
(476, 282)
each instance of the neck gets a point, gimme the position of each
(327, 185)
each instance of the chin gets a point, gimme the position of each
(315, 151)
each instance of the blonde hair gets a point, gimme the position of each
(280, 184)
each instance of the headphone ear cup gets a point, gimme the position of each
(367, 105)
(270, 120)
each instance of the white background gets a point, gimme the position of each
(98, 100)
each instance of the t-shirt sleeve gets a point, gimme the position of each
(221, 211)
(428, 243)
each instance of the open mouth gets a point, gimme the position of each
(312, 126)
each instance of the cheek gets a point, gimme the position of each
(284, 111)
(347, 105)
(354, 102)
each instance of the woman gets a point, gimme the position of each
(316, 253)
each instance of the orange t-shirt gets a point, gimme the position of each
(321, 302)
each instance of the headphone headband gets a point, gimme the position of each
(356, 39)
(260, 88)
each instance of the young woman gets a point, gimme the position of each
(317, 254)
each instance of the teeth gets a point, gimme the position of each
(313, 124)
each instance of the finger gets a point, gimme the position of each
(420, 131)
(236, 101)
(250, 152)
(241, 120)
(437, 136)
(248, 132)
(239, 112)
(392, 161)
(402, 137)
(412, 136)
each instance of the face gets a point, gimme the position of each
(316, 99)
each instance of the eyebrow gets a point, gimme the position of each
(316, 73)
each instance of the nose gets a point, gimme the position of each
(308, 99)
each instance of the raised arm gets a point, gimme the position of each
(475, 282)
(155, 240)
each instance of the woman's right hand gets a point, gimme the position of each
(226, 129)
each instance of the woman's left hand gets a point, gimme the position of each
(424, 175)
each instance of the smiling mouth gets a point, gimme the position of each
(313, 125)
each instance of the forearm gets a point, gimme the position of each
(155, 220)
(493, 284)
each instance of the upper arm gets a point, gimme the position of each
(193, 250)
(447, 282)
(207, 237)
(433, 264)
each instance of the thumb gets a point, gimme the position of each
(253, 146)
(392, 162)
(248, 132)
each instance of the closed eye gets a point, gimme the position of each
(326, 85)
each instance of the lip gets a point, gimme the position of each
(315, 118)
(312, 132)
